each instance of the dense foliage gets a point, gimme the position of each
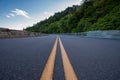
(91, 15)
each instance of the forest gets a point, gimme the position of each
(91, 15)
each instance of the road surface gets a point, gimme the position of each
(59, 58)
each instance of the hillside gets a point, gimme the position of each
(91, 15)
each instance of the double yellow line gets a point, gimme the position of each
(49, 67)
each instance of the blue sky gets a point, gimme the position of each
(19, 14)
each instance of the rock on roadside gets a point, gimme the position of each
(7, 33)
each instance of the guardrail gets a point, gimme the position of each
(110, 34)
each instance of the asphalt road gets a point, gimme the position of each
(24, 58)
(92, 59)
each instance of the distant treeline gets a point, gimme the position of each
(89, 16)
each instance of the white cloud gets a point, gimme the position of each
(47, 14)
(74, 2)
(18, 12)
(7, 16)
(21, 13)
(11, 14)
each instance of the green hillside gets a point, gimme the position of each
(91, 15)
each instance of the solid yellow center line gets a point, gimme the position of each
(68, 69)
(49, 67)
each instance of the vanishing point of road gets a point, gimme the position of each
(63, 57)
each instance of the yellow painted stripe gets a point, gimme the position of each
(49, 67)
(68, 69)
